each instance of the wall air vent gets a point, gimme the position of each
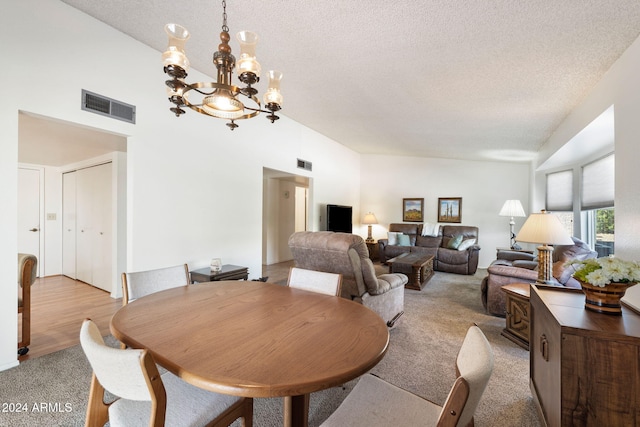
(108, 107)
(303, 164)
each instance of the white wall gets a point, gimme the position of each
(194, 188)
(483, 186)
(617, 88)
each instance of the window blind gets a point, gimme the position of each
(598, 184)
(559, 194)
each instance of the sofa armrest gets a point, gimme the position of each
(529, 265)
(515, 255)
(521, 274)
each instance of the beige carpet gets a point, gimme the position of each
(420, 359)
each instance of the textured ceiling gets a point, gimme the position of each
(482, 79)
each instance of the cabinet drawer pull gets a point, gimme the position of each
(544, 347)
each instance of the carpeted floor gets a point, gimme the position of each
(52, 390)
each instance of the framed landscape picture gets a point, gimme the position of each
(412, 210)
(450, 209)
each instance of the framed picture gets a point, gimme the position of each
(412, 210)
(450, 209)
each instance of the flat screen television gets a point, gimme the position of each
(339, 218)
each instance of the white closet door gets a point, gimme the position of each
(69, 224)
(84, 210)
(93, 225)
(102, 233)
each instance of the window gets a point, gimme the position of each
(566, 219)
(597, 200)
(559, 192)
(559, 197)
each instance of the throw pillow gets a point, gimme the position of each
(454, 242)
(429, 229)
(404, 240)
(393, 237)
(466, 244)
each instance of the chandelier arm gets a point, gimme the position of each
(259, 110)
(199, 109)
(235, 90)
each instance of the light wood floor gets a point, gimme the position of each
(59, 305)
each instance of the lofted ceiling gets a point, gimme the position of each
(482, 79)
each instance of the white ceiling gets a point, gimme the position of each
(482, 79)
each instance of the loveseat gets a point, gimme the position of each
(454, 247)
(347, 254)
(521, 267)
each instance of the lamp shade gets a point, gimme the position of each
(370, 218)
(544, 228)
(174, 55)
(273, 95)
(512, 208)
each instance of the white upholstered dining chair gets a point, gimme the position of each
(315, 281)
(147, 398)
(141, 283)
(375, 402)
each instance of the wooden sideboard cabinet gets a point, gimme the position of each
(585, 366)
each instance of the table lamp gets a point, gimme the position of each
(512, 208)
(369, 219)
(545, 229)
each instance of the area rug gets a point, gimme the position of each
(52, 390)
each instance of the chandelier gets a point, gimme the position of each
(219, 99)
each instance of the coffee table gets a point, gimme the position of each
(418, 267)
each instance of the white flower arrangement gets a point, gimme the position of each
(603, 271)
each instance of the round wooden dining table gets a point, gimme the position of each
(255, 339)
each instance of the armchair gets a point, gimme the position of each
(27, 272)
(347, 254)
(520, 267)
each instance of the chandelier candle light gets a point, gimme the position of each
(370, 219)
(544, 228)
(512, 208)
(219, 99)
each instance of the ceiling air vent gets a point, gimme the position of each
(303, 164)
(108, 107)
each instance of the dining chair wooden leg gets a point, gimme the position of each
(97, 410)
(242, 409)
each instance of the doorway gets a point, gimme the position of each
(55, 147)
(285, 210)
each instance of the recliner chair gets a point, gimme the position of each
(347, 254)
(519, 267)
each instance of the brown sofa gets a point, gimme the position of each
(519, 267)
(444, 259)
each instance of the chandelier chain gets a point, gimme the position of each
(225, 28)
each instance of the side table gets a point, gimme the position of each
(373, 250)
(228, 272)
(517, 320)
